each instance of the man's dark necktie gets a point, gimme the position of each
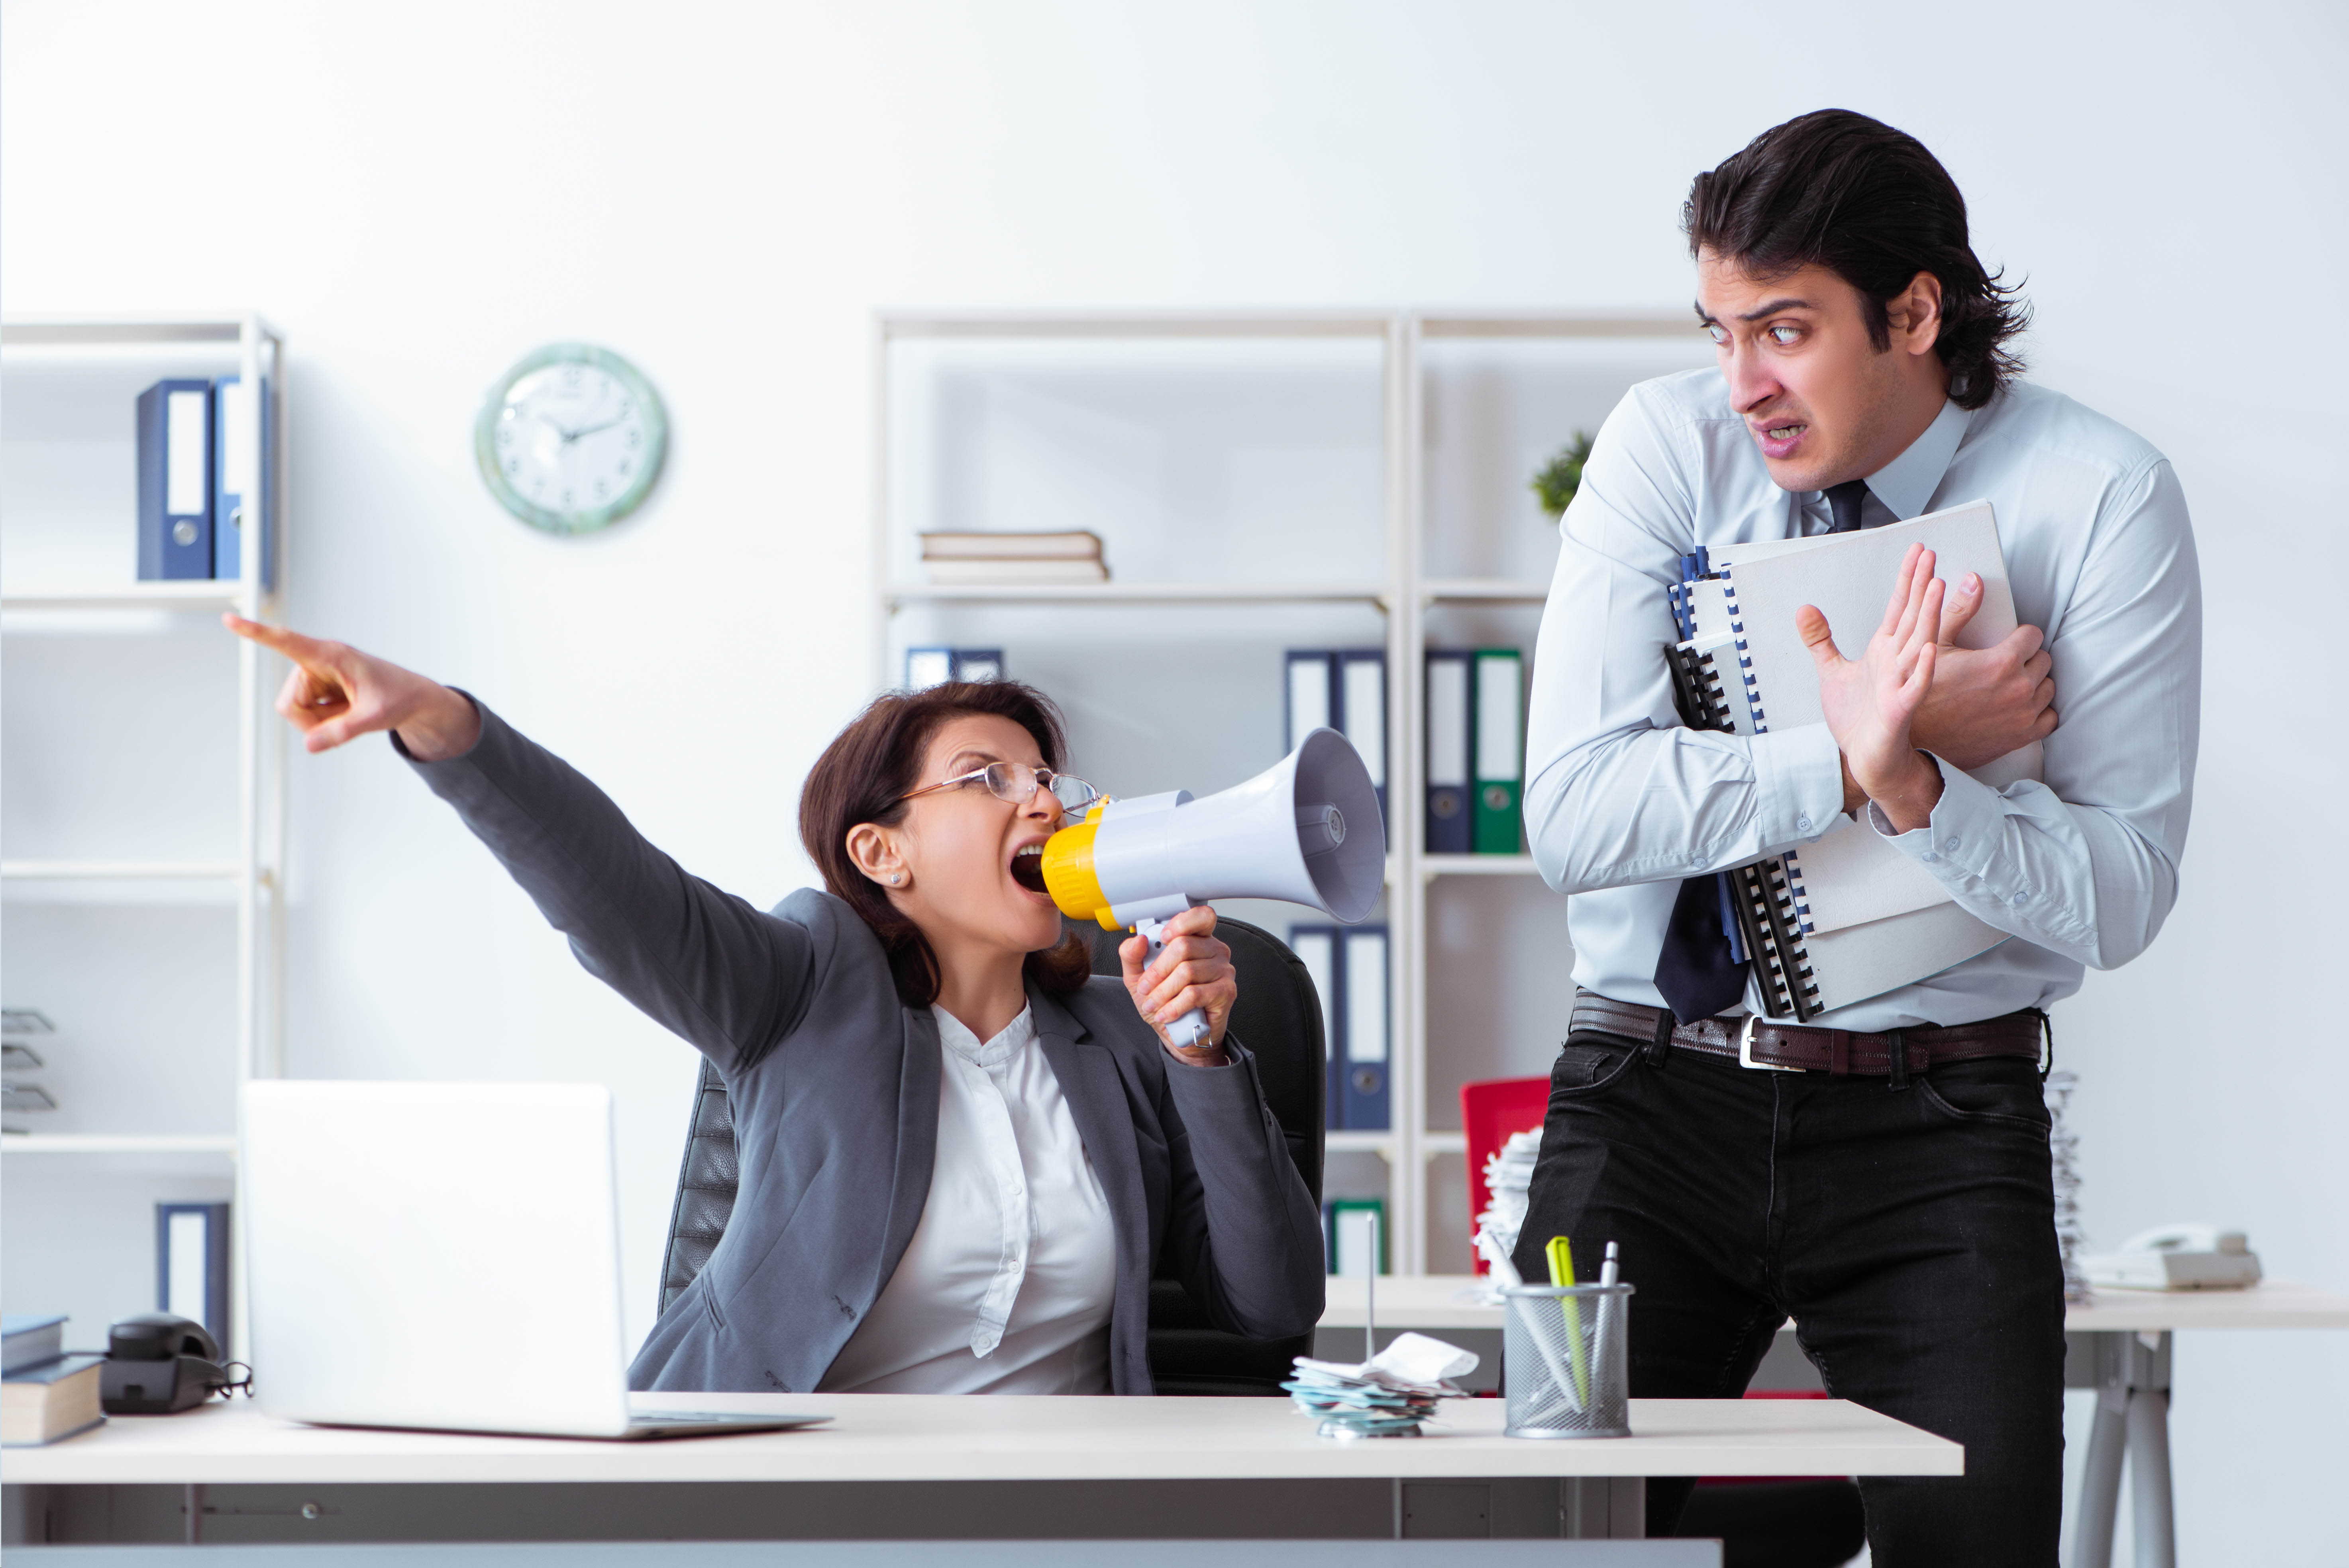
(1698, 973)
(1843, 503)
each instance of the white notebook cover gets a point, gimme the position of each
(1852, 877)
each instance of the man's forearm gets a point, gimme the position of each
(1907, 801)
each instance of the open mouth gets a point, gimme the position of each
(1027, 867)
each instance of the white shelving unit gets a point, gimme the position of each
(85, 577)
(1402, 592)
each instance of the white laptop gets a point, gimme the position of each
(443, 1256)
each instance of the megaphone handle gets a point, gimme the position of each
(1188, 1032)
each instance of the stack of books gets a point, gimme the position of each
(46, 1395)
(1011, 559)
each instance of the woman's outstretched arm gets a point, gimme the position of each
(700, 961)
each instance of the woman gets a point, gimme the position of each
(961, 1155)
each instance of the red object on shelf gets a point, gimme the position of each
(1489, 1113)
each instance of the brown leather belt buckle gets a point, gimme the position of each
(1745, 1050)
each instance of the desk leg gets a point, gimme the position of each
(2130, 1373)
(2148, 1447)
(2100, 1481)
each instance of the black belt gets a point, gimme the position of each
(1794, 1047)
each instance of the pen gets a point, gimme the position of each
(1561, 1253)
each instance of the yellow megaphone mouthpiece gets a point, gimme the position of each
(1307, 830)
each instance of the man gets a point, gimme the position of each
(1895, 1202)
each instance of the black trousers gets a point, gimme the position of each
(1910, 1233)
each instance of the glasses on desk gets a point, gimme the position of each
(1017, 783)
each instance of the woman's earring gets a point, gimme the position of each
(895, 879)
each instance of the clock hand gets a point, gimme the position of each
(591, 430)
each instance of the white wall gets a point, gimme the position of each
(724, 192)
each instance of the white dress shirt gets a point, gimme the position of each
(1622, 801)
(1006, 1285)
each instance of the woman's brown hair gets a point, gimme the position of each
(861, 776)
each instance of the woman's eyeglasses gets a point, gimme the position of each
(1017, 782)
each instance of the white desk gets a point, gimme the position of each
(2120, 1346)
(933, 1440)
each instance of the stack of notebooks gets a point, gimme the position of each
(1013, 558)
(1848, 916)
(46, 1395)
(1387, 1396)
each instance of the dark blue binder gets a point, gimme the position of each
(1321, 949)
(1367, 1041)
(191, 1263)
(175, 482)
(233, 510)
(1451, 815)
(1361, 708)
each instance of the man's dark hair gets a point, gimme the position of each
(1841, 191)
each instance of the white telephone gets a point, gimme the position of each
(2177, 1257)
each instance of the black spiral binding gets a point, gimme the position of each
(1762, 893)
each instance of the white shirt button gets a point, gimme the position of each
(1929, 858)
(1802, 824)
(1697, 860)
(2021, 898)
(1950, 844)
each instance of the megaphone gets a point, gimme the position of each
(1306, 830)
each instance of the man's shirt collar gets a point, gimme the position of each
(1906, 484)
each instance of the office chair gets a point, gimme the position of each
(1277, 1015)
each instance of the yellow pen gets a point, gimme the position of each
(1561, 1253)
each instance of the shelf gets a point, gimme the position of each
(1442, 1143)
(1359, 1142)
(1138, 325)
(124, 870)
(1136, 593)
(1491, 590)
(1560, 324)
(119, 1143)
(93, 333)
(1434, 866)
(200, 594)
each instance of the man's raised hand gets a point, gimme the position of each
(336, 693)
(1871, 702)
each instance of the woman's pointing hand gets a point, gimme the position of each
(336, 694)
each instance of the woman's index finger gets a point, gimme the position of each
(307, 652)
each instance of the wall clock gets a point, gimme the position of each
(571, 439)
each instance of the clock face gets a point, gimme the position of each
(571, 439)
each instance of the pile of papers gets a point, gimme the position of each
(1387, 1396)
(1508, 1176)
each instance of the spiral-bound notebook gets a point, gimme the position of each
(1847, 916)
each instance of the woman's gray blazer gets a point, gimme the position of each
(834, 1084)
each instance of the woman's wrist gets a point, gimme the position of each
(445, 724)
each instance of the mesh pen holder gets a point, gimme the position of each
(1566, 1365)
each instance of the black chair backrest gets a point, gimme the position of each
(1277, 1015)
